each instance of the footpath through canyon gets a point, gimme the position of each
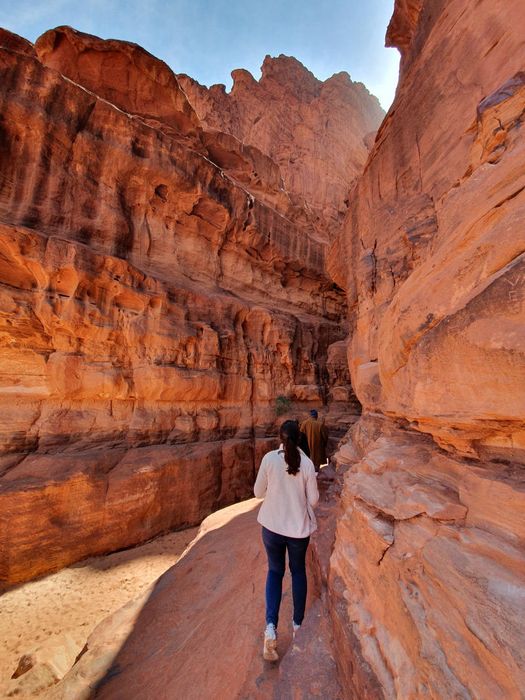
(179, 264)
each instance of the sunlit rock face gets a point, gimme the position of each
(10, 40)
(427, 576)
(315, 131)
(157, 296)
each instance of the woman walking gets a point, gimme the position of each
(288, 483)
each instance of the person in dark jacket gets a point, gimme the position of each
(317, 436)
(303, 441)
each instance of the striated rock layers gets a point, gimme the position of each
(159, 289)
(427, 579)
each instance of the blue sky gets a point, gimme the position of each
(208, 39)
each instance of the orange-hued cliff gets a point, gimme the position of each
(427, 576)
(160, 288)
(174, 258)
(317, 132)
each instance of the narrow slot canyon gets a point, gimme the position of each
(182, 268)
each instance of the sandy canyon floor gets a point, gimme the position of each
(61, 610)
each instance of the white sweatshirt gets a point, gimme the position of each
(289, 499)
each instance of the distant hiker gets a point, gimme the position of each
(303, 440)
(288, 483)
(317, 436)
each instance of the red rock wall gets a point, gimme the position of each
(154, 303)
(122, 73)
(428, 572)
(313, 130)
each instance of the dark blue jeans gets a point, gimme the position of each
(276, 546)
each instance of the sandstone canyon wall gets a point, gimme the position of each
(159, 289)
(317, 132)
(427, 577)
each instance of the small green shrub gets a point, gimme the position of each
(282, 405)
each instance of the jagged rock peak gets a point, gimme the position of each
(290, 74)
(283, 71)
(292, 116)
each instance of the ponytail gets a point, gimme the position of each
(289, 434)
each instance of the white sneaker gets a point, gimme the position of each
(295, 628)
(270, 643)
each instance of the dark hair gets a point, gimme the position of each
(289, 434)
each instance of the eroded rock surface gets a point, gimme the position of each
(313, 130)
(120, 72)
(427, 578)
(156, 298)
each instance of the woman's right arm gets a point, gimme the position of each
(261, 482)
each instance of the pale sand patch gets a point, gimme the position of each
(73, 601)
